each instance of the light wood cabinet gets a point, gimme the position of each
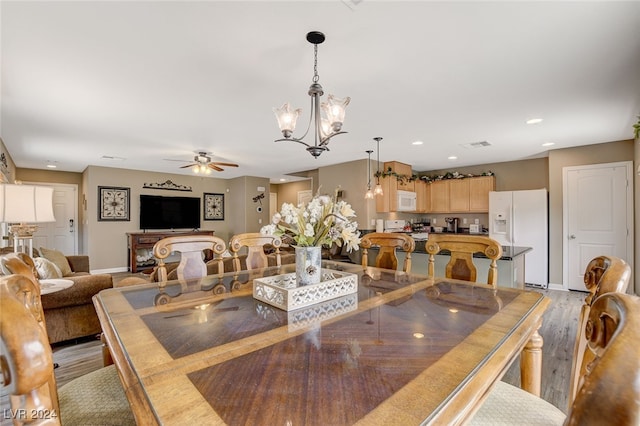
(461, 195)
(388, 202)
(423, 196)
(440, 196)
(479, 189)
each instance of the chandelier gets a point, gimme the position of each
(324, 128)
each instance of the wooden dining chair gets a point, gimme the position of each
(190, 247)
(387, 242)
(462, 248)
(26, 364)
(605, 367)
(254, 243)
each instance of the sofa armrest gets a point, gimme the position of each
(79, 263)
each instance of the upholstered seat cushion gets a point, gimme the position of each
(508, 405)
(96, 398)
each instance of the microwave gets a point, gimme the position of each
(406, 201)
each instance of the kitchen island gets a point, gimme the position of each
(511, 265)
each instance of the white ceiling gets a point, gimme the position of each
(153, 81)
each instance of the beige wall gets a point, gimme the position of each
(106, 242)
(288, 192)
(351, 178)
(559, 158)
(8, 172)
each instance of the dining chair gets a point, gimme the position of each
(605, 367)
(190, 247)
(462, 248)
(254, 243)
(26, 363)
(387, 242)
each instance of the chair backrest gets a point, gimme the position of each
(388, 242)
(604, 274)
(462, 248)
(26, 360)
(609, 388)
(191, 248)
(20, 263)
(254, 242)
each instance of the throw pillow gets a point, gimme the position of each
(59, 259)
(46, 269)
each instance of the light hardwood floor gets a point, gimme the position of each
(558, 331)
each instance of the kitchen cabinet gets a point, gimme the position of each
(462, 195)
(423, 196)
(440, 196)
(388, 202)
(459, 195)
(479, 188)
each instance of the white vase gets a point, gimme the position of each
(308, 265)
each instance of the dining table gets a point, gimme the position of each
(402, 348)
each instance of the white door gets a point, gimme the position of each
(597, 217)
(62, 234)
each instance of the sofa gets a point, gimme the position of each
(69, 313)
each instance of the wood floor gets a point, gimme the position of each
(558, 331)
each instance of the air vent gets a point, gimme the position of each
(111, 157)
(474, 145)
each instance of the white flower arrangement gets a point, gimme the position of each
(320, 222)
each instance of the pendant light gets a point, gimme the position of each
(378, 189)
(369, 194)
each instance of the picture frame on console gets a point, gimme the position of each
(213, 206)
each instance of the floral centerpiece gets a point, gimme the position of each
(319, 222)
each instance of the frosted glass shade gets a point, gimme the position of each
(26, 204)
(287, 119)
(334, 109)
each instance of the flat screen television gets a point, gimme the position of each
(157, 212)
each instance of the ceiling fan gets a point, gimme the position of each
(202, 164)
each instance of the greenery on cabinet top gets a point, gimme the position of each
(406, 178)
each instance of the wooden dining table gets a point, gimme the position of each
(403, 349)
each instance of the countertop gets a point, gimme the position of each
(508, 252)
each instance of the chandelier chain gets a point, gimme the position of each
(316, 77)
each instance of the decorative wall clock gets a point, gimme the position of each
(113, 203)
(213, 206)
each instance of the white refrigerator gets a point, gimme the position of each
(521, 218)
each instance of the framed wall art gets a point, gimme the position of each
(113, 203)
(213, 206)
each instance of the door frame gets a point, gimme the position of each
(629, 208)
(75, 207)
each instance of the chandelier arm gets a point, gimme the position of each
(293, 140)
(326, 140)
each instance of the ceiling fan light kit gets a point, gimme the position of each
(324, 127)
(203, 164)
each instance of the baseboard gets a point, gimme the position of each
(110, 270)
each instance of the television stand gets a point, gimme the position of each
(140, 244)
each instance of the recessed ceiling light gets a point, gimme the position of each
(534, 121)
(283, 180)
(51, 166)
(548, 144)
(452, 157)
(417, 143)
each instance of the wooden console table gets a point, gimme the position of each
(145, 241)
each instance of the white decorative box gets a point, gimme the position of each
(282, 291)
(323, 311)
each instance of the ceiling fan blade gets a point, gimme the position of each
(224, 164)
(214, 167)
(188, 165)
